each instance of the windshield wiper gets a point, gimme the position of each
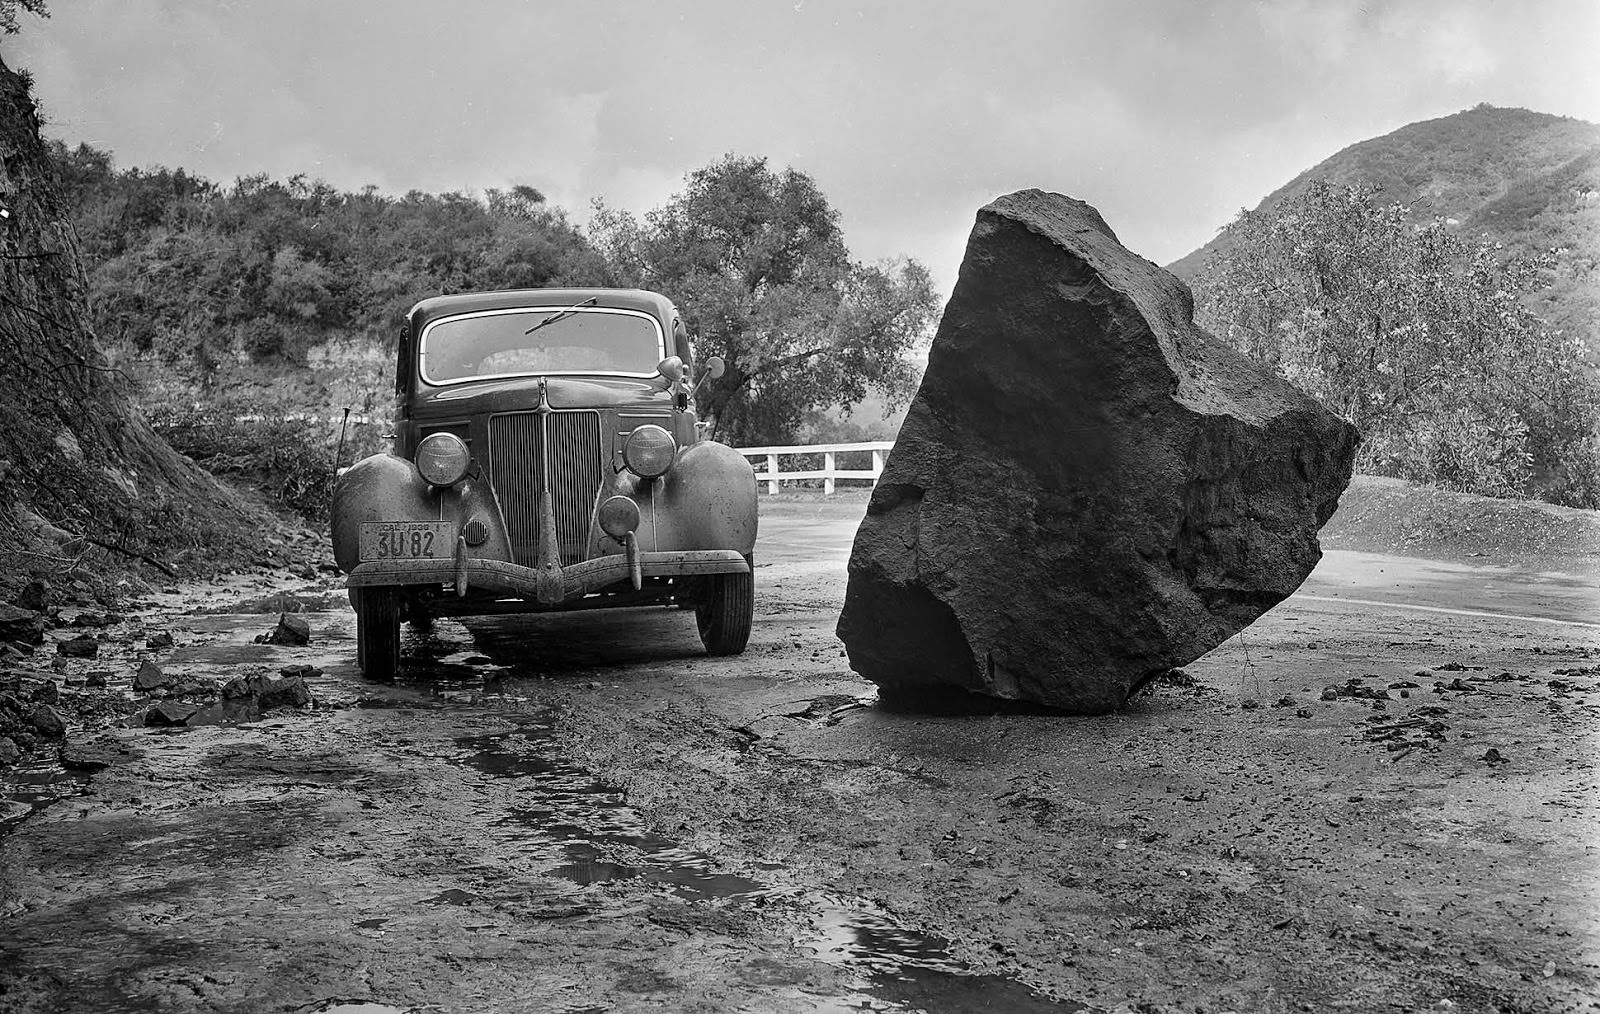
(563, 314)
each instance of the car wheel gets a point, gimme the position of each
(726, 610)
(378, 632)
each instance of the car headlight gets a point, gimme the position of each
(648, 451)
(443, 458)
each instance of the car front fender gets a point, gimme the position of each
(707, 501)
(386, 487)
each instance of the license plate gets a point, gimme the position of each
(406, 540)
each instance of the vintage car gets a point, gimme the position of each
(545, 457)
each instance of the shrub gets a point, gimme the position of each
(1422, 339)
(289, 458)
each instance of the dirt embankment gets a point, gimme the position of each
(1380, 515)
(86, 487)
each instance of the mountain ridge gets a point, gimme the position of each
(1527, 180)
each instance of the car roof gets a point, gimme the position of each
(435, 307)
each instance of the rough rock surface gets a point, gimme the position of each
(1088, 489)
(82, 646)
(150, 677)
(291, 629)
(22, 625)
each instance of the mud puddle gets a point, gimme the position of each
(31, 787)
(590, 835)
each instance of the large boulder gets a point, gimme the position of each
(1088, 490)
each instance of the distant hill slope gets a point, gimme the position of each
(1528, 180)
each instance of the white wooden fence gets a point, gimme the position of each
(771, 457)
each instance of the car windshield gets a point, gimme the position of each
(497, 343)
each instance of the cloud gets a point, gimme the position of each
(910, 115)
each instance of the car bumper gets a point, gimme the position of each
(549, 586)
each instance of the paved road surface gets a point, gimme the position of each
(817, 535)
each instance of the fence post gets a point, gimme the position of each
(827, 473)
(877, 466)
(772, 470)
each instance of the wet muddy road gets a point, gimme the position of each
(584, 813)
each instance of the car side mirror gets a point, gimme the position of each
(715, 368)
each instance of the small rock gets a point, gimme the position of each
(9, 754)
(169, 713)
(82, 646)
(47, 721)
(46, 692)
(1284, 702)
(1492, 756)
(35, 596)
(97, 678)
(303, 671)
(289, 692)
(1249, 704)
(1330, 694)
(243, 686)
(24, 625)
(88, 619)
(292, 628)
(159, 639)
(187, 687)
(150, 677)
(1303, 713)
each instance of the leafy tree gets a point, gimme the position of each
(756, 262)
(1424, 341)
(10, 8)
(292, 285)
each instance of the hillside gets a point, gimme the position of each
(81, 472)
(1528, 180)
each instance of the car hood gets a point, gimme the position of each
(519, 394)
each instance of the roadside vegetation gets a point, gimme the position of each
(759, 265)
(1425, 340)
(251, 315)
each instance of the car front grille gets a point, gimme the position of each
(576, 468)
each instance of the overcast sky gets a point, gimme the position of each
(1167, 116)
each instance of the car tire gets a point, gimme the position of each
(378, 632)
(726, 611)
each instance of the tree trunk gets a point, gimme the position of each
(73, 452)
